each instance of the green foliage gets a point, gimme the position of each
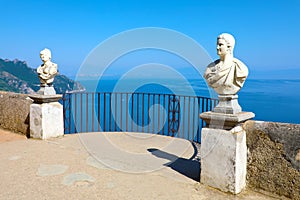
(18, 71)
(6, 87)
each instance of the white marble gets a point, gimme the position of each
(228, 104)
(47, 90)
(227, 74)
(224, 159)
(216, 120)
(48, 70)
(46, 120)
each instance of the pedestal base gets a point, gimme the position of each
(46, 117)
(47, 90)
(228, 104)
(224, 159)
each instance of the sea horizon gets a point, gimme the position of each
(270, 99)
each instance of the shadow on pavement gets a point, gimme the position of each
(188, 167)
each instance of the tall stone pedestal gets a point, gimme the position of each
(46, 117)
(224, 159)
(224, 151)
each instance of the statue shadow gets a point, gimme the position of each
(190, 168)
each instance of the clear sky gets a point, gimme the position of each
(267, 32)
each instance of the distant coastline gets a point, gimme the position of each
(17, 76)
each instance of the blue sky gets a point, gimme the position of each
(267, 32)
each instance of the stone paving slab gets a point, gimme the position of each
(104, 166)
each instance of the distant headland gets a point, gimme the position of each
(17, 76)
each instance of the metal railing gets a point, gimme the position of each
(165, 114)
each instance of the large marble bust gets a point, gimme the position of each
(48, 70)
(227, 74)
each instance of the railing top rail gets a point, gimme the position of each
(141, 93)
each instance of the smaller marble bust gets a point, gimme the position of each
(227, 74)
(48, 70)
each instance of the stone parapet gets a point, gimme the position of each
(14, 112)
(274, 157)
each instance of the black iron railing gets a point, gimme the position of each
(165, 114)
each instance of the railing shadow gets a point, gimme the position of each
(187, 167)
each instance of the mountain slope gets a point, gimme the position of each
(16, 76)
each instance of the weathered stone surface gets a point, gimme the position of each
(14, 112)
(51, 170)
(46, 120)
(224, 159)
(272, 160)
(38, 98)
(228, 104)
(47, 90)
(225, 121)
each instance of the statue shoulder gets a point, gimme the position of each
(242, 69)
(211, 69)
(238, 62)
(213, 64)
(53, 66)
(40, 68)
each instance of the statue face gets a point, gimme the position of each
(44, 57)
(222, 48)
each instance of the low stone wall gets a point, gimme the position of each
(14, 112)
(274, 157)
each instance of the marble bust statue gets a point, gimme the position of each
(48, 70)
(227, 74)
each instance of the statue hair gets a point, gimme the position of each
(229, 39)
(46, 52)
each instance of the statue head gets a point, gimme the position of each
(45, 55)
(225, 44)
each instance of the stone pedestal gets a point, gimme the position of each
(224, 151)
(47, 90)
(46, 117)
(225, 121)
(228, 104)
(224, 159)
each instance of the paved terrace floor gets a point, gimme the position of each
(103, 166)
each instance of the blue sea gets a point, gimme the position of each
(270, 100)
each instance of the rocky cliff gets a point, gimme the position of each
(16, 76)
